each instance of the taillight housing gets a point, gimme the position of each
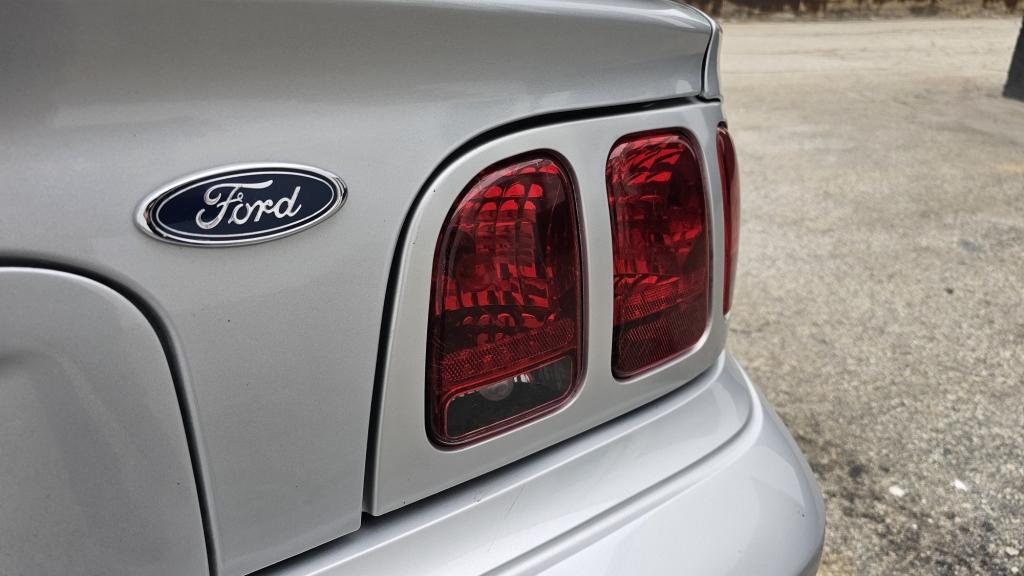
(660, 246)
(731, 202)
(505, 331)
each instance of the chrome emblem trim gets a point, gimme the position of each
(241, 204)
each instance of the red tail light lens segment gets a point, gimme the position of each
(731, 200)
(660, 246)
(505, 327)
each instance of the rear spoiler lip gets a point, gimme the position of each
(711, 87)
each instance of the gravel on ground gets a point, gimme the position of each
(880, 303)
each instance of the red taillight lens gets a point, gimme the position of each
(505, 328)
(660, 248)
(731, 201)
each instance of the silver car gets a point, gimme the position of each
(377, 287)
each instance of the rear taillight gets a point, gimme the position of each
(505, 327)
(660, 248)
(731, 202)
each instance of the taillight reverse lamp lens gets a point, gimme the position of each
(505, 327)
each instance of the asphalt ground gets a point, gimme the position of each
(880, 303)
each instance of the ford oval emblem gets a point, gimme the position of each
(241, 204)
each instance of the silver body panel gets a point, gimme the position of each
(95, 475)
(104, 102)
(259, 363)
(702, 481)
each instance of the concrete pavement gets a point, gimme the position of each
(880, 303)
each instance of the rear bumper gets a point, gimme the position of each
(755, 508)
(705, 480)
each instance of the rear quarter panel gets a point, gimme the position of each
(95, 476)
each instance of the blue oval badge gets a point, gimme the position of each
(241, 204)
